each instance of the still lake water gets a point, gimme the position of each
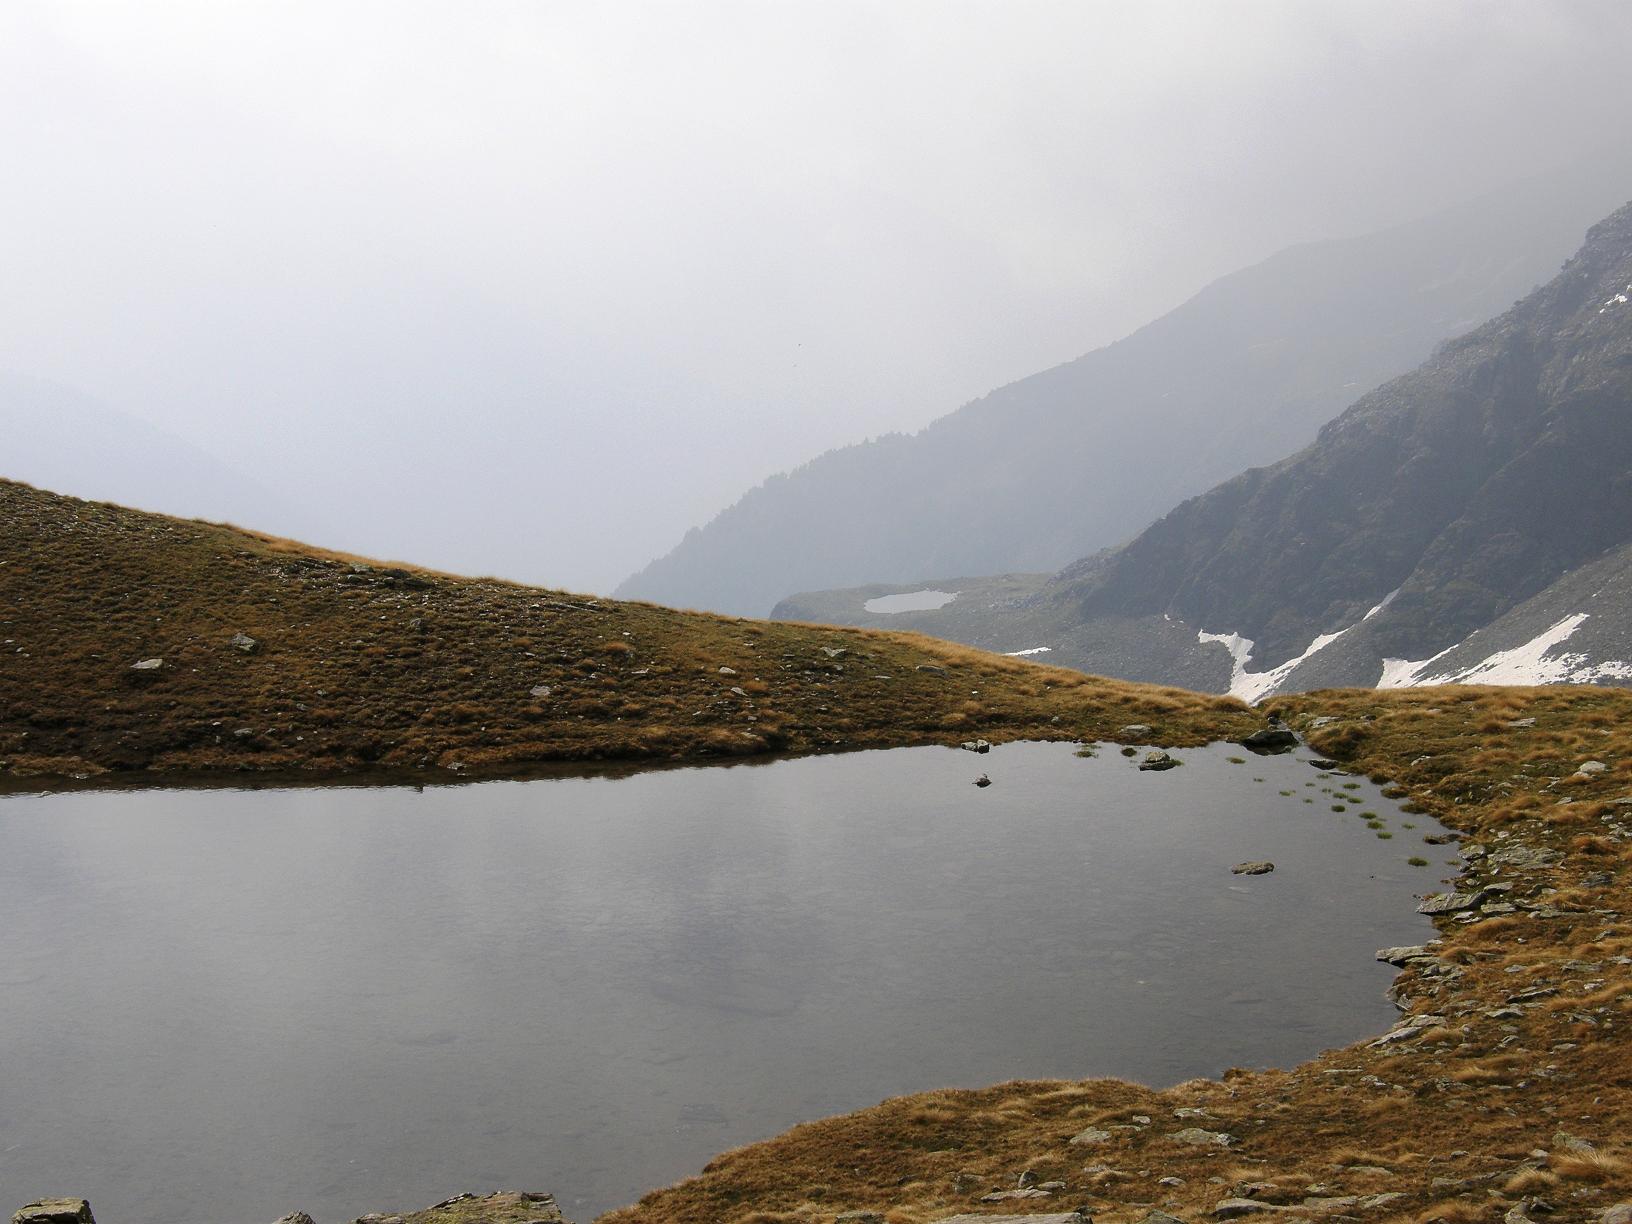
(220, 1006)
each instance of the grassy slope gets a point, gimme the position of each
(363, 666)
(1450, 1119)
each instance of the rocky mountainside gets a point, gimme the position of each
(1084, 455)
(1468, 520)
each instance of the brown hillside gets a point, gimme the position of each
(363, 666)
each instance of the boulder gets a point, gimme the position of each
(1592, 767)
(55, 1211)
(1266, 740)
(1257, 867)
(1202, 1138)
(1158, 760)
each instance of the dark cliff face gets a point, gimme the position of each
(1084, 455)
(1467, 486)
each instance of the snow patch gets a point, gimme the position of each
(909, 601)
(1035, 650)
(1526, 664)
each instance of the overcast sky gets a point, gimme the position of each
(530, 288)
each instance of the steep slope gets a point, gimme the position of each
(1082, 456)
(1453, 500)
(135, 642)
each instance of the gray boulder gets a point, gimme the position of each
(55, 1211)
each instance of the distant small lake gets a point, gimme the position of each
(909, 601)
(226, 1005)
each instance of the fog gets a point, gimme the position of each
(530, 288)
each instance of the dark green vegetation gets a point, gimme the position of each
(1079, 457)
(276, 657)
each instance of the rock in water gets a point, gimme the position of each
(1269, 739)
(983, 780)
(1258, 867)
(55, 1211)
(295, 1217)
(1158, 760)
(976, 745)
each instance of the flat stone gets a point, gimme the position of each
(1090, 1136)
(1194, 1134)
(1592, 767)
(1405, 954)
(1452, 902)
(1024, 1192)
(55, 1211)
(1234, 1208)
(143, 665)
(1257, 867)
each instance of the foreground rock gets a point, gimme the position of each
(55, 1211)
(1256, 867)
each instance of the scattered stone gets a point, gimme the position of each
(1194, 1134)
(295, 1217)
(146, 665)
(1325, 720)
(1092, 1135)
(540, 690)
(1452, 902)
(858, 1217)
(1568, 1142)
(975, 745)
(1268, 740)
(1521, 722)
(55, 1211)
(1592, 767)
(1161, 1217)
(1404, 955)
(1058, 1217)
(243, 642)
(1442, 839)
(933, 668)
(1234, 1208)
(1373, 1201)
(728, 671)
(1170, 1182)
(1158, 760)
(1003, 1196)
(833, 652)
(983, 780)
(1256, 867)
(1136, 729)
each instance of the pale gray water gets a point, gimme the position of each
(909, 601)
(219, 1006)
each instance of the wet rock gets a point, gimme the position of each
(1158, 760)
(1203, 1138)
(983, 780)
(1255, 867)
(1323, 763)
(1404, 955)
(55, 1211)
(1268, 740)
(1452, 902)
(975, 745)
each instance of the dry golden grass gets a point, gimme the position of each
(364, 666)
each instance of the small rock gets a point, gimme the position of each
(1403, 955)
(1518, 723)
(1092, 1135)
(1373, 1201)
(1003, 1196)
(834, 652)
(1136, 729)
(1452, 902)
(1194, 1134)
(295, 1217)
(540, 690)
(1325, 720)
(1161, 1217)
(243, 642)
(975, 745)
(1256, 867)
(145, 665)
(1592, 767)
(935, 669)
(858, 1217)
(983, 780)
(55, 1211)
(1323, 763)
(1234, 1208)
(1170, 1181)
(728, 671)
(1158, 760)
(1269, 739)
